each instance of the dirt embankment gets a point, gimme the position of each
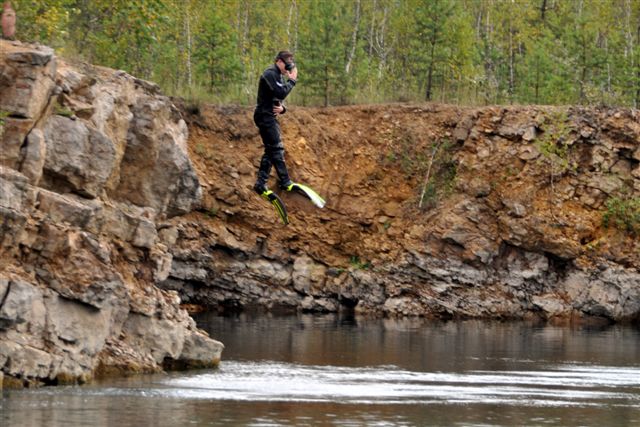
(431, 210)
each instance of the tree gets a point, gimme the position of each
(214, 51)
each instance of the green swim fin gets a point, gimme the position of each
(273, 198)
(308, 193)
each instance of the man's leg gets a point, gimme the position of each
(274, 150)
(263, 174)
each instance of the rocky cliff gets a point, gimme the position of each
(93, 163)
(437, 211)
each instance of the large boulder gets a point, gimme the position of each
(79, 258)
(79, 158)
(27, 78)
(156, 170)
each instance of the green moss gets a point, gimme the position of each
(62, 111)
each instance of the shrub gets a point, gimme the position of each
(623, 214)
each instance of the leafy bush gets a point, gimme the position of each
(623, 214)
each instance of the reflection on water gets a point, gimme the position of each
(332, 370)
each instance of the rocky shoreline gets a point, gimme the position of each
(120, 207)
(93, 162)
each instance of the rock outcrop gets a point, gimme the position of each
(93, 162)
(510, 224)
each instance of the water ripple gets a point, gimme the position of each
(565, 385)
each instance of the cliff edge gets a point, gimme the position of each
(432, 210)
(93, 163)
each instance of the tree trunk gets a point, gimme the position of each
(583, 72)
(543, 9)
(188, 31)
(431, 65)
(354, 38)
(381, 43)
(537, 84)
(371, 27)
(512, 63)
(637, 100)
(326, 70)
(326, 85)
(289, 22)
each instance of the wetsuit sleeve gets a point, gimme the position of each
(280, 90)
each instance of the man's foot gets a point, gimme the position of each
(273, 198)
(260, 189)
(287, 186)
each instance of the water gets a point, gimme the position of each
(333, 370)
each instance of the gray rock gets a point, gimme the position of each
(551, 305)
(22, 308)
(161, 338)
(607, 184)
(163, 261)
(529, 152)
(72, 81)
(27, 82)
(269, 271)
(79, 329)
(188, 271)
(24, 361)
(200, 350)
(529, 134)
(322, 305)
(69, 209)
(463, 127)
(12, 137)
(79, 158)
(308, 276)
(156, 170)
(402, 306)
(145, 235)
(34, 155)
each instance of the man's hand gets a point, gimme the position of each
(293, 74)
(278, 109)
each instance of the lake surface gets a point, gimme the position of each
(339, 370)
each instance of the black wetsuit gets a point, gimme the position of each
(272, 90)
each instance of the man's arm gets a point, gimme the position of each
(280, 90)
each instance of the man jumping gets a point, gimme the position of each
(272, 90)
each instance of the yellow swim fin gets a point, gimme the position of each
(309, 193)
(273, 198)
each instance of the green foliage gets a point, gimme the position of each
(553, 144)
(460, 51)
(3, 115)
(212, 213)
(356, 263)
(62, 110)
(214, 52)
(200, 150)
(433, 164)
(441, 181)
(623, 214)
